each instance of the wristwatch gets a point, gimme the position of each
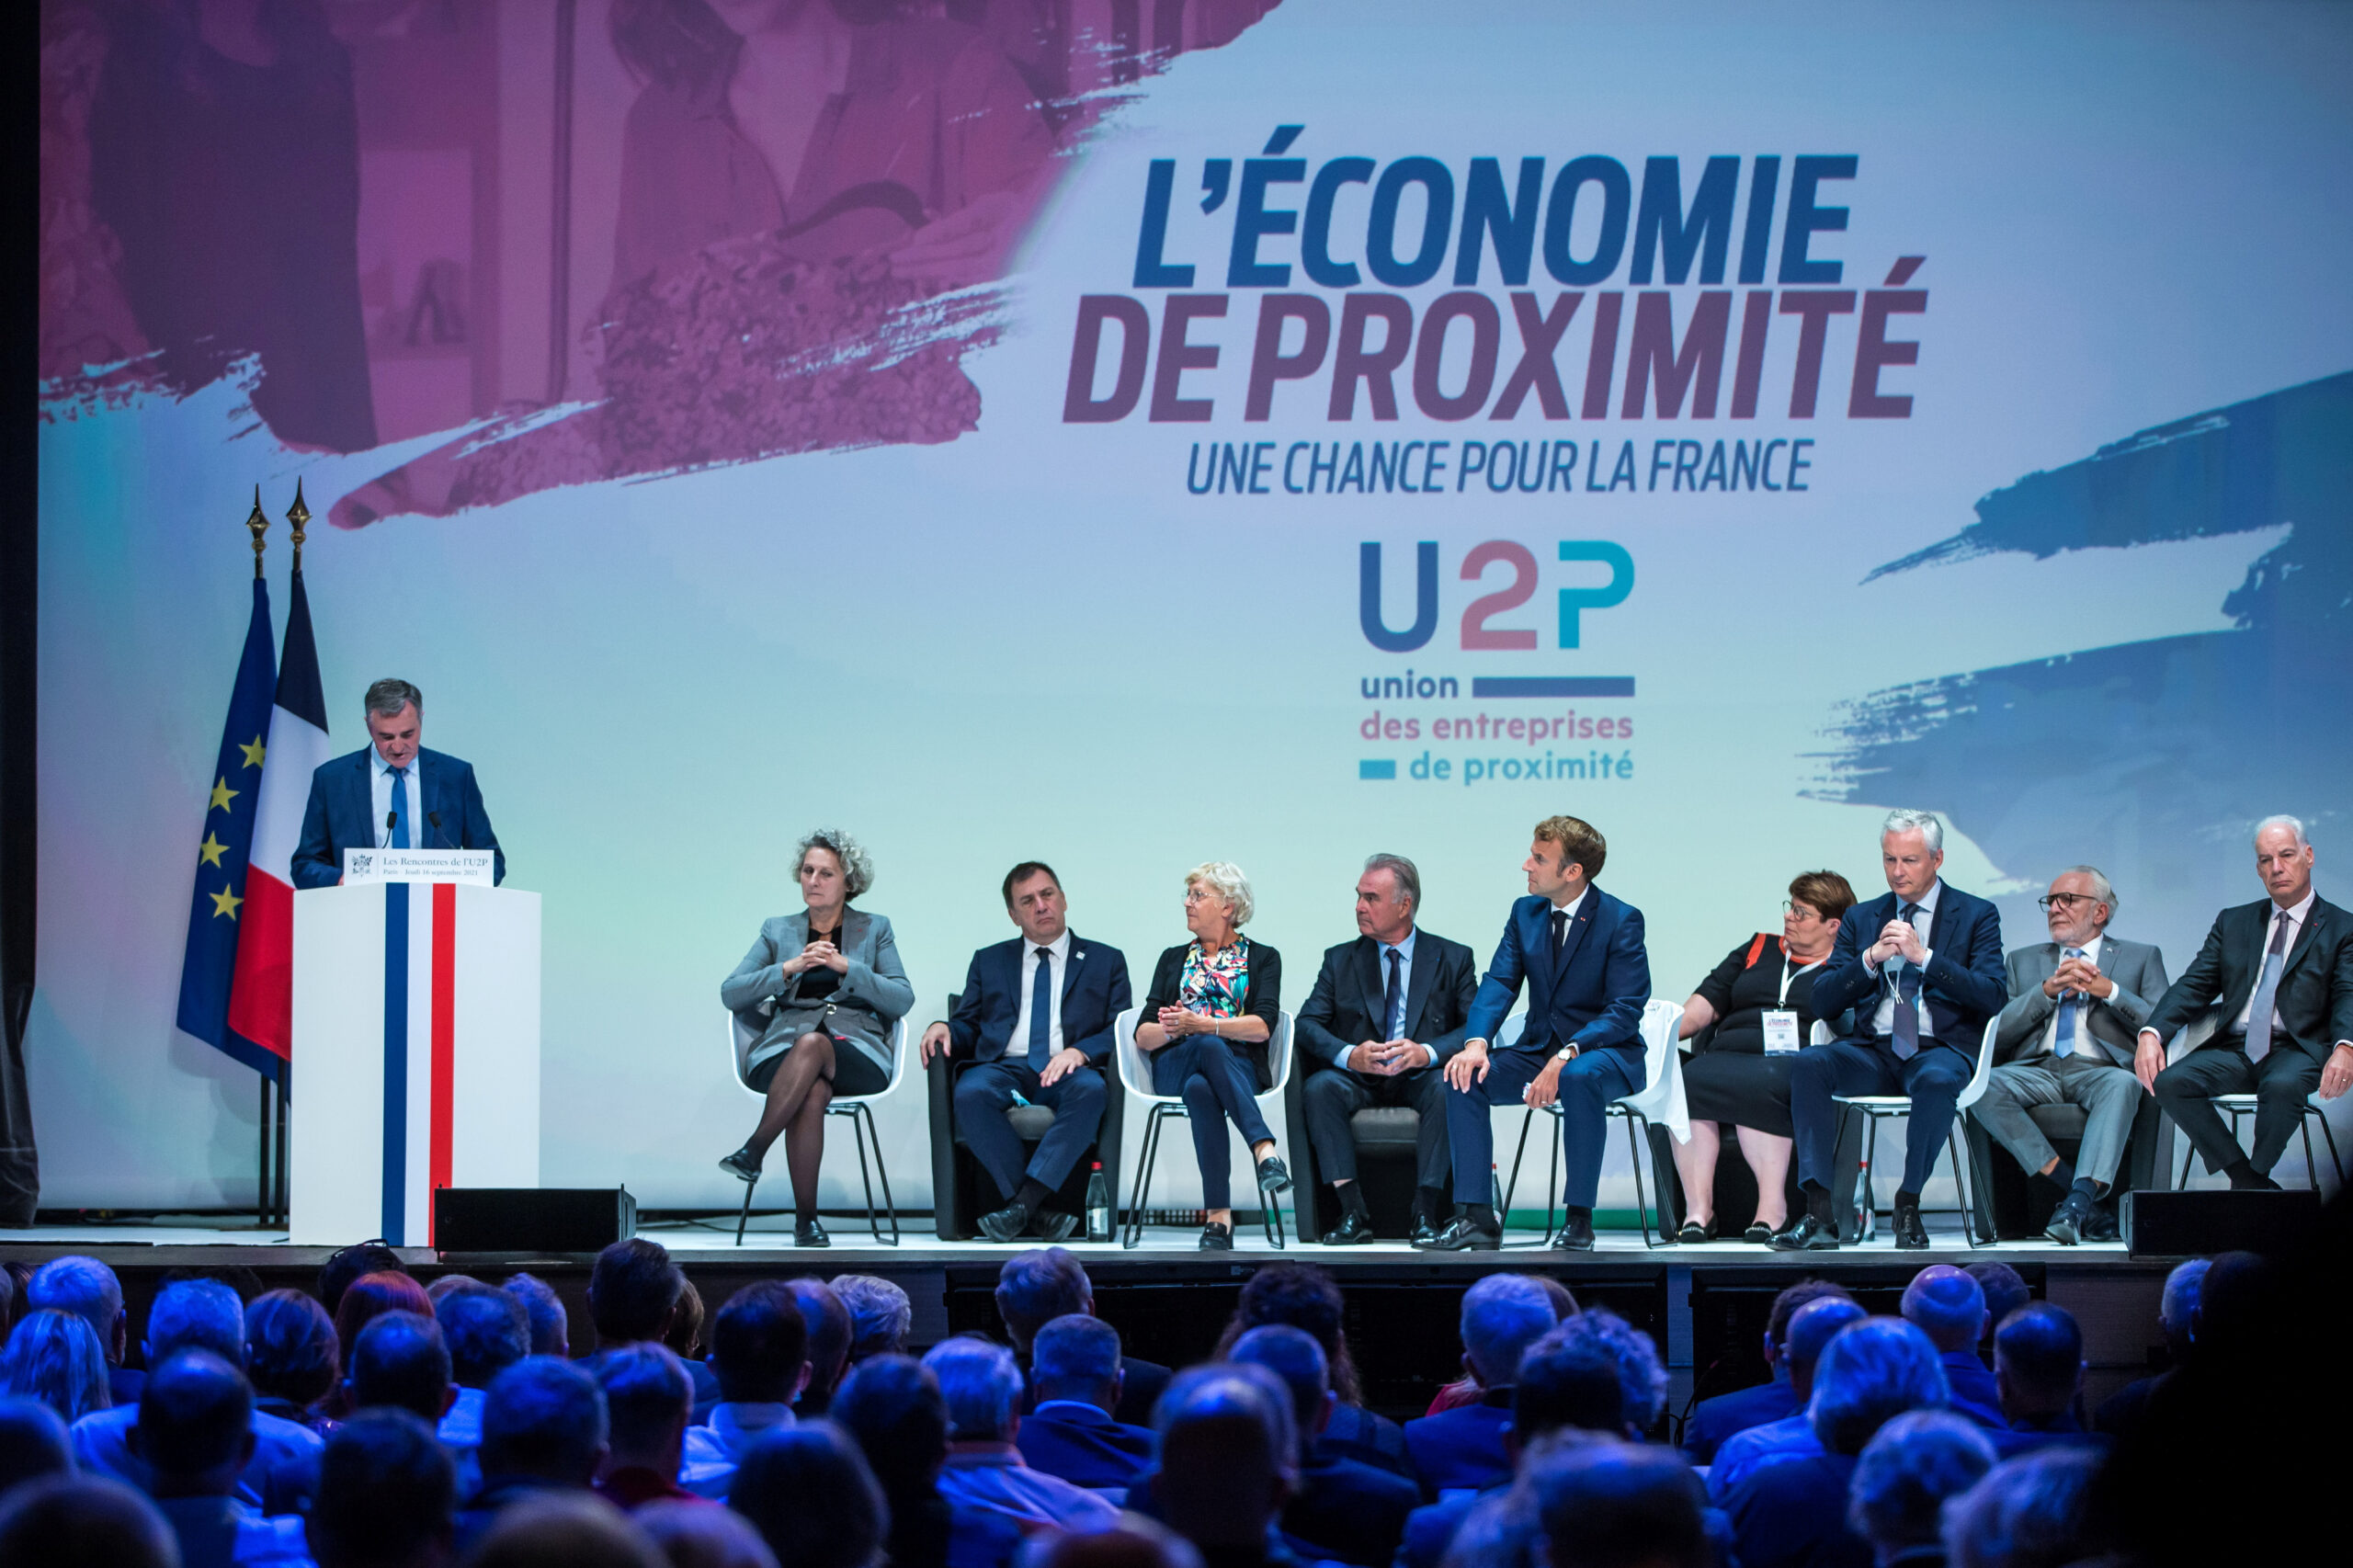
(1566, 1053)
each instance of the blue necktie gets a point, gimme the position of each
(1041, 1008)
(2065, 1044)
(1393, 1002)
(399, 840)
(1907, 1000)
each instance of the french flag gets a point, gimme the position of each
(261, 997)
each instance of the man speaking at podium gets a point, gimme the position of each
(391, 794)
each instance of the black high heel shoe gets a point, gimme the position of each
(809, 1233)
(743, 1164)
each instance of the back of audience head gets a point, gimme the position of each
(487, 1331)
(759, 1346)
(1036, 1287)
(1503, 1314)
(2039, 1361)
(292, 1352)
(54, 1357)
(368, 1297)
(544, 1418)
(1641, 1378)
(982, 1385)
(236, 1276)
(632, 1292)
(84, 1521)
(195, 1314)
(33, 1441)
(195, 1425)
(1786, 1306)
(88, 1290)
(684, 1335)
(564, 1530)
(2233, 1301)
(2178, 1309)
(1811, 1328)
(1873, 1371)
(1306, 1295)
(1227, 1453)
(695, 1535)
(828, 1320)
(1292, 1355)
(1909, 1468)
(1946, 1305)
(2027, 1513)
(1607, 1504)
(400, 1361)
(880, 1315)
(808, 1491)
(386, 1495)
(551, 1324)
(1076, 1357)
(893, 1406)
(347, 1264)
(2005, 1288)
(1138, 1542)
(649, 1400)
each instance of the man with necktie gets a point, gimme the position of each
(390, 794)
(1386, 1013)
(2284, 968)
(1922, 966)
(1580, 953)
(2066, 1038)
(1035, 1021)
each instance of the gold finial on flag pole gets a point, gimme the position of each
(258, 521)
(297, 517)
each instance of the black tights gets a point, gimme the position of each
(798, 1095)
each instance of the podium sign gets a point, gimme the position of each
(416, 1051)
(471, 868)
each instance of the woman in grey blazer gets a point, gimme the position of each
(815, 999)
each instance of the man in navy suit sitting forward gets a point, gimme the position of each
(1035, 1019)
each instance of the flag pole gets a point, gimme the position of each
(298, 521)
(257, 523)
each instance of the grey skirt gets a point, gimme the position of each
(860, 1029)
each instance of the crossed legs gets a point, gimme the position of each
(798, 1095)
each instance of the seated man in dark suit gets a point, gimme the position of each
(2283, 969)
(1503, 1314)
(1341, 1509)
(194, 1438)
(1948, 1306)
(1605, 1506)
(1386, 1012)
(1035, 1019)
(387, 1495)
(2038, 1371)
(1925, 964)
(390, 794)
(1069, 1432)
(2176, 1319)
(1713, 1420)
(1904, 1478)
(1036, 1287)
(1580, 953)
(634, 1293)
(543, 1429)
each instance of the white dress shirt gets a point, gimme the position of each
(1018, 1045)
(1883, 1020)
(410, 806)
(2085, 1044)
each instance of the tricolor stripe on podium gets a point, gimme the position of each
(420, 1032)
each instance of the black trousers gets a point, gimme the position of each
(2281, 1081)
(1336, 1093)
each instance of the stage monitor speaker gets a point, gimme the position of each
(532, 1219)
(2195, 1225)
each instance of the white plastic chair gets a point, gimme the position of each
(1660, 1100)
(742, 1037)
(1876, 1108)
(1135, 1076)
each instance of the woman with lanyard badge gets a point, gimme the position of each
(1751, 1016)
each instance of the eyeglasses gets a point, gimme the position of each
(1806, 911)
(2066, 900)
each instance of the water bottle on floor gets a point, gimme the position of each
(1099, 1205)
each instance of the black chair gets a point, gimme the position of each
(1386, 1137)
(2010, 1206)
(962, 1190)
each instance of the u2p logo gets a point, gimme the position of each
(1480, 631)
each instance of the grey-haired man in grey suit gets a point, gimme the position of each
(2066, 1037)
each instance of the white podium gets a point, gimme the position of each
(417, 1053)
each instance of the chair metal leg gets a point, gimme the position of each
(862, 1132)
(1150, 1155)
(1270, 1216)
(1961, 1186)
(745, 1217)
(1552, 1173)
(1865, 1205)
(2304, 1126)
(2330, 1139)
(1641, 1200)
(1502, 1215)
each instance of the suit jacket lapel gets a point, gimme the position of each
(2304, 938)
(1366, 960)
(1419, 984)
(1070, 967)
(854, 926)
(1579, 924)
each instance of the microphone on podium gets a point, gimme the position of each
(390, 817)
(435, 818)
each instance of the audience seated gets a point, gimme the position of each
(685, 1336)
(1226, 1468)
(1713, 1420)
(1503, 1314)
(2028, 1512)
(633, 1296)
(564, 1531)
(1791, 1513)
(292, 1357)
(827, 1322)
(1138, 1543)
(90, 1290)
(84, 1521)
(1070, 1431)
(1811, 1328)
(387, 1495)
(1948, 1306)
(1903, 1478)
(551, 1324)
(1036, 1287)
(880, 1315)
(1641, 1376)
(2006, 1291)
(759, 1352)
(648, 1401)
(543, 1429)
(399, 1361)
(892, 1407)
(1342, 1509)
(1605, 1504)
(1465, 1389)
(2038, 1371)
(692, 1536)
(487, 1331)
(54, 1358)
(368, 1297)
(809, 1491)
(985, 1480)
(2177, 1316)
(195, 1436)
(347, 1264)
(1306, 1297)
(33, 1442)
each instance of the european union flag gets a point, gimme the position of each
(209, 963)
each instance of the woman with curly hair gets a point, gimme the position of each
(816, 995)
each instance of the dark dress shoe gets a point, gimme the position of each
(1693, 1233)
(1424, 1233)
(1577, 1235)
(1759, 1235)
(1052, 1228)
(1463, 1233)
(1217, 1238)
(809, 1233)
(1006, 1224)
(1353, 1230)
(1273, 1175)
(2066, 1226)
(2099, 1225)
(1808, 1234)
(743, 1164)
(1910, 1234)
